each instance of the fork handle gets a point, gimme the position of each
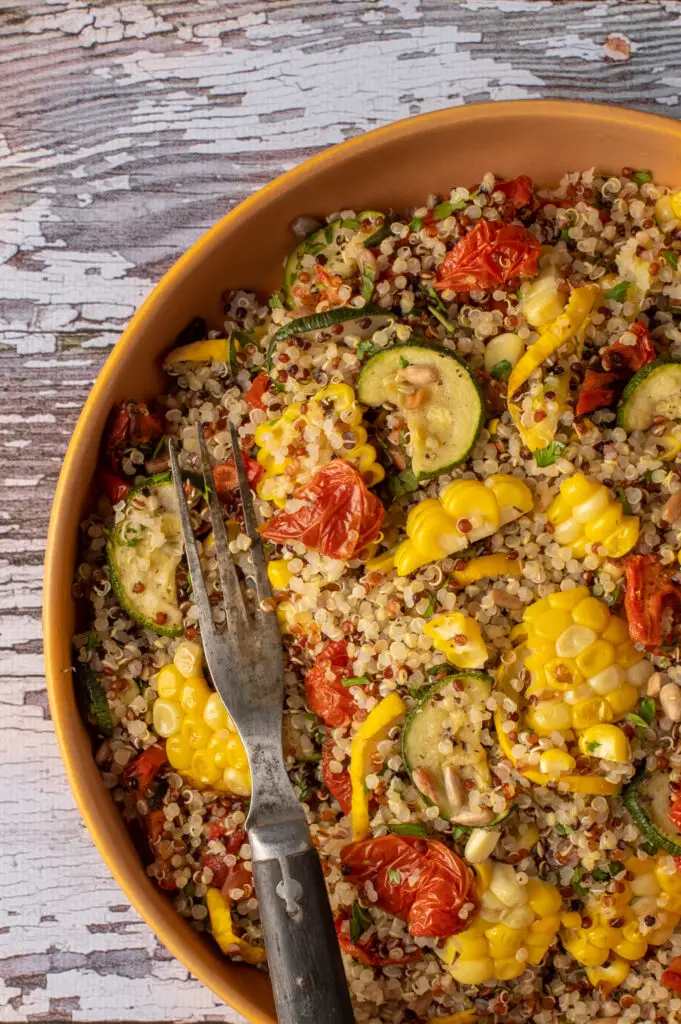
(305, 963)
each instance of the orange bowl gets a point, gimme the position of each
(394, 167)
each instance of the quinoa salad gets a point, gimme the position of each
(462, 429)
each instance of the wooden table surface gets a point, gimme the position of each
(126, 129)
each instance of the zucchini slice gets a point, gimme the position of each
(654, 391)
(91, 697)
(145, 549)
(444, 715)
(443, 430)
(648, 800)
(332, 243)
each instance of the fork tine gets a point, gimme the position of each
(198, 584)
(262, 583)
(231, 591)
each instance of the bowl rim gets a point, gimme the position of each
(60, 519)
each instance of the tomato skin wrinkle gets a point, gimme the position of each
(650, 591)
(598, 390)
(491, 254)
(632, 356)
(339, 515)
(595, 392)
(518, 192)
(141, 772)
(434, 882)
(326, 695)
(254, 396)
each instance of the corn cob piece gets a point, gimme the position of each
(585, 672)
(588, 518)
(467, 511)
(202, 741)
(623, 924)
(515, 927)
(330, 425)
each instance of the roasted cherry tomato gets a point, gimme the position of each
(142, 770)
(326, 695)
(339, 515)
(156, 823)
(625, 360)
(232, 840)
(491, 254)
(338, 784)
(115, 488)
(131, 425)
(651, 600)
(254, 396)
(675, 816)
(671, 978)
(421, 881)
(366, 950)
(595, 392)
(519, 192)
(226, 479)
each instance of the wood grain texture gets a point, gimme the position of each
(127, 129)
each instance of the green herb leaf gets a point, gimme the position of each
(599, 875)
(394, 877)
(615, 868)
(619, 292)
(367, 290)
(92, 641)
(328, 233)
(416, 223)
(648, 709)
(275, 302)
(547, 456)
(637, 720)
(446, 209)
(360, 920)
(501, 370)
(356, 681)
(563, 830)
(442, 318)
(672, 258)
(244, 339)
(594, 745)
(437, 300)
(233, 365)
(365, 348)
(404, 363)
(648, 476)
(565, 235)
(430, 607)
(159, 445)
(278, 387)
(351, 224)
(409, 829)
(576, 882)
(642, 177)
(613, 597)
(404, 483)
(626, 507)
(459, 832)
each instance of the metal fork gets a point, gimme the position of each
(247, 667)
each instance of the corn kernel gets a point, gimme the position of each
(194, 694)
(596, 658)
(188, 658)
(582, 950)
(592, 613)
(571, 919)
(568, 600)
(506, 970)
(587, 713)
(623, 699)
(470, 947)
(627, 656)
(503, 941)
(617, 631)
(605, 741)
(631, 950)
(179, 753)
(215, 713)
(204, 769)
(548, 717)
(167, 717)
(610, 977)
(278, 573)
(555, 762)
(572, 640)
(586, 514)
(473, 972)
(552, 625)
(168, 681)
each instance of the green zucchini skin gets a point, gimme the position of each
(644, 379)
(92, 699)
(471, 677)
(633, 800)
(463, 409)
(118, 584)
(320, 322)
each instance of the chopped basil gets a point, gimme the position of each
(642, 177)
(591, 747)
(360, 920)
(547, 456)
(626, 507)
(563, 830)
(565, 235)
(430, 607)
(243, 338)
(446, 209)
(672, 258)
(600, 875)
(356, 681)
(615, 868)
(159, 445)
(404, 483)
(278, 387)
(619, 292)
(576, 882)
(404, 363)
(501, 370)
(328, 233)
(416, 223)
(351, 224)
(637, 720)
(93, 639)
(409, 829)
(647, 709)
(365, 348)
(367, 289)
(394, 877)
(275, 302)
(437, 300)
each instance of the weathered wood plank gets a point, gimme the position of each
(128, 127)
